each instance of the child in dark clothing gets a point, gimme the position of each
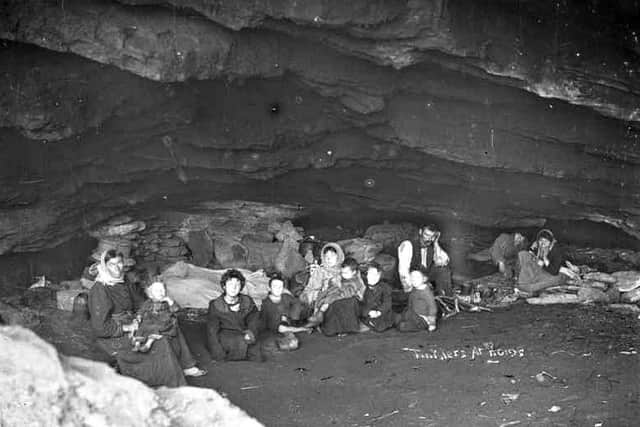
(375, 308)
(278, 311)
(233, 322)
(422, 309)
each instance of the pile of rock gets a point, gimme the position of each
(160, 243)
(608, 260)
(389, 236)
(119, 233)
(594, 287)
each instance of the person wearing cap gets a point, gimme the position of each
(539, 268)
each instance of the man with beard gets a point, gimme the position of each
(426, 251)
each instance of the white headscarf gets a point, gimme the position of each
(103, 274)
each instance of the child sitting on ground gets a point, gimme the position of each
(279, 309)
(375, 309)
(350, 285)
(157, 318)
(422, 309)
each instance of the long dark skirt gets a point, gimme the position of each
(533, 278)
(161, 366)
(341, 317)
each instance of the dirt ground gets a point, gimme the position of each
(586, 357)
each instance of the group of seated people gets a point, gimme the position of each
(144, 338)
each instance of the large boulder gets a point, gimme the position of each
(40, 387)
(229, 253)
(288, 261)
(391, 235)
(389, 265)
(201, 247)
(362, 250)
(22, 316)
(260, 254)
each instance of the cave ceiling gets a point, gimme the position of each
(495, 113)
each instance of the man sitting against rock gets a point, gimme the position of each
(426, 251)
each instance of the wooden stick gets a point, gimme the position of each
(382, 417)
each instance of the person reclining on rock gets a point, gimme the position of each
(427, 251)
(504, 252)
(350, 285)
(233, 322)
(279, 311)
(541, 266)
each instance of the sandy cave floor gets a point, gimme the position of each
(368, 379)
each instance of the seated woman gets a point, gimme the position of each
(279, 310)
(157, 318)
(112, 302)
(233, 322)
(539, 268)
(339, 304)
(331, 257)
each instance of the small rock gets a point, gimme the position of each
(587, 294)
(631, 296)
(71, 284)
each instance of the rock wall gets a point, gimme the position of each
(493, 113)
(237, 234)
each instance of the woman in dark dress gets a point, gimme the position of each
(233, 322)
(112, 304)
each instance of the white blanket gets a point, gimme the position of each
(192, 286)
